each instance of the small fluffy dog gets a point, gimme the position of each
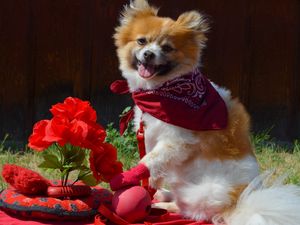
(210, 169)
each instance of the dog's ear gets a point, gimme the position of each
(136, 8)
(193, 20)
(139, 4)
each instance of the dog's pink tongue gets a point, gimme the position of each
(146, 71)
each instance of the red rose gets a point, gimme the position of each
(78, 132)
(63, 131)
(36, 139)
(57, 130)
(74, 108)
(103, 162)
(111, 169)
(95, 137)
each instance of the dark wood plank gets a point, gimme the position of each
(273, 32)
(14, 69)
(293, 101)
(63, 52)
(104, 61)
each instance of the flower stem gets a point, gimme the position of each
(62, 178)
(66, 178)
(79, 177)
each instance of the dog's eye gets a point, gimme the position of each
(167, 48)
(141, 41)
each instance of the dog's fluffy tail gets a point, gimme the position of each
(262, 203)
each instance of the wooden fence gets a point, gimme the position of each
(51, 49)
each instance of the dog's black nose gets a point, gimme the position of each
(148, 55)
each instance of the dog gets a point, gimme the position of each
(206, 161)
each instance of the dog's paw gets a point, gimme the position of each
(169, 206)
(163, 195)
(155, 183)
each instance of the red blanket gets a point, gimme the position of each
(6, 219)
(172, 219)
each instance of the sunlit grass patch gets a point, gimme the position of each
(284, 159)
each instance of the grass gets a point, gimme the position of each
(283, 158)
(126, 145)
(271, 155)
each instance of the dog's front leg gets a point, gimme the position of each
(154, 164)
(164, 156)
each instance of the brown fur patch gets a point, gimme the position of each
(230, 143)
(234, 196)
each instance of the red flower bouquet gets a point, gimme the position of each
(70, 135)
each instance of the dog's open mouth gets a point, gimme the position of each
(147, 70)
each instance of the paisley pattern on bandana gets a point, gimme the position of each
(190, 89)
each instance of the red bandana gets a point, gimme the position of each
(189, 101)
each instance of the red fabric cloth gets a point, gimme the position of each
(6, 219)
(171, 219)
(156, 217)
(189, 101)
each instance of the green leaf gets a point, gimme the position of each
(71, 166)
(83, 168)
(89, 179)
(50, 162)
(66, 151)
(78, 155)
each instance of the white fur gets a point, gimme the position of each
(156, 49)
(163, 195)
(264, 204)
(224, 93)
(166, 141)
(203, 189)
(194, 20)
(134, 7)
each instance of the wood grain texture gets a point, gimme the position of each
(51, 49)
(15, 74)
(274, 41)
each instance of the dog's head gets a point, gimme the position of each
(153, 49)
